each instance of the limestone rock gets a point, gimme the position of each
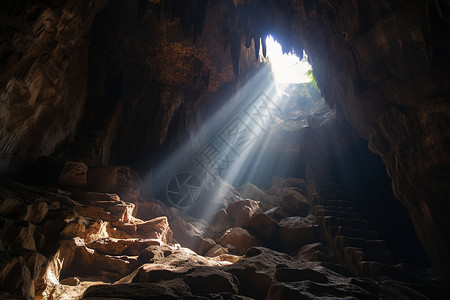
(165, 263)
(36, 212)
(220, 222)
(210, 280)
(242, 211)
(276, 213)
(74, 174)
(12, 208)
(79, 260)
(295, 231)
(265, 228)
(120, 180)
(216, 250)
(112, 246)
(19, 274)
(294, 203)
(175, 289)
(250, 191)
(239, 240)
(316, 252)
(190, 236)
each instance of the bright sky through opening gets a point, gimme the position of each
(286, 67)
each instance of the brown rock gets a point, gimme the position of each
(112, 246)
(295, 183)
(19, 274)
(250, 191)
(166, 262)
(72, 281)
(175, 289)
(241, 211)
(119, 180)
(256, 270)
(190, 236)
(296, 231)
(157, 228)
(264, 227)
(209, 280)
(276, 213)
(79, 260)
(316, 252)
(12, 208)
(36, 212)
(74, 174)
(239, 240)
(216, 250)
(17, 237)
(220, 222)
(294, 203)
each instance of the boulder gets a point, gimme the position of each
(316, 252)
(250, 191)
(36, 212)
(242, 211)
(120, 180)
(74, 174)
(296, 231)
(209, 280)
(238, 240)
(79, 260)
(265, 228)
(175, 289)
(294, 203)
(216, 250)
(190, 236)
(295, 183)
(219, 223)
(276, 213)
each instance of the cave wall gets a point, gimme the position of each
(157, 66)
(383, 66)
(43, 71)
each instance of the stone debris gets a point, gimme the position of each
(92, 246)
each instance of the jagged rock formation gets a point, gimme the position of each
(78, 244)
(123, 82)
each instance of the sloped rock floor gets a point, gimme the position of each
(295, 240)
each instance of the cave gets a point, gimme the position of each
(147, 150)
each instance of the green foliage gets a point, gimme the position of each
(310, 75)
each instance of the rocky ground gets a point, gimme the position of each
(92, 236)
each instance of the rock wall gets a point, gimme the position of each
(155, 66)
(43, 73)
(382, 65)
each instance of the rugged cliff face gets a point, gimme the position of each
(383, 66)
(120, 82)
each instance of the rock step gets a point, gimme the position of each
(351, 223)
(315, 183)
(344, 241)
(339, 214)
(359, 255)
(334, 208)
(326, 191)
(353, 232)
(118, 247)
(332, 202)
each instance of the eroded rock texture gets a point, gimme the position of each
(382, 65)
(125, 81)
(43, 76)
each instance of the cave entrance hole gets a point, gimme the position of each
(248, 138)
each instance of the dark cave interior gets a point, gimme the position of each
(147, 152)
